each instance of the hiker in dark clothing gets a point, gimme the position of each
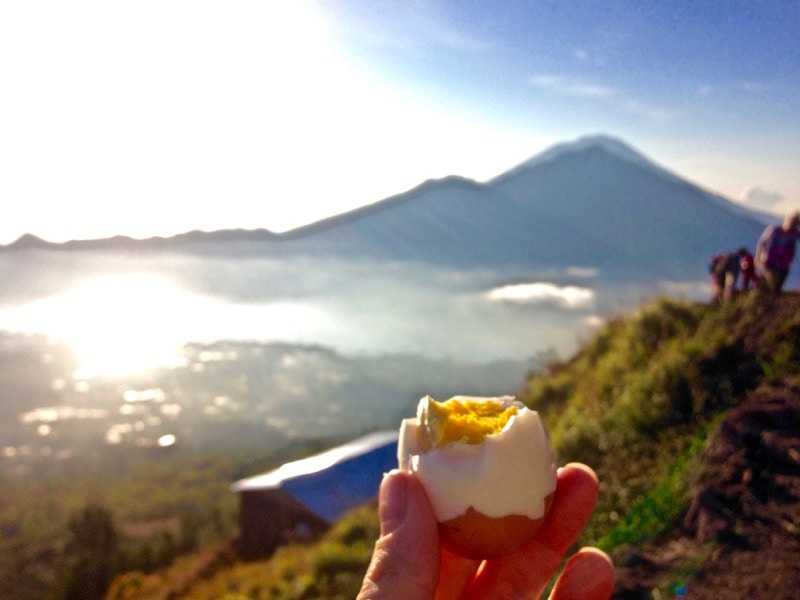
(725, 269)
(775, 252)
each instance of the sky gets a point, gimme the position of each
(159, 117)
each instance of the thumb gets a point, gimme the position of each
(405, 562)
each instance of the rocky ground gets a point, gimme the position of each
(740, 538)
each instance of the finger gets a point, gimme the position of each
(525, 573)
(576, 497)
(455, 572)
(589, 575)
(405, 562)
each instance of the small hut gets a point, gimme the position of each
(300, 499)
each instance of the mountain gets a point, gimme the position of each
(593, 203)
(624, 152)
(126, 244)
(610, 145)
(596, 203)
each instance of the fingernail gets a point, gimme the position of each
(588, 574)
(393, 501)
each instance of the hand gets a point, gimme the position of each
(408, 562)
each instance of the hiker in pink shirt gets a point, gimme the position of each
(775, 251)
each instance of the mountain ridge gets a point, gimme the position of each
(596, 203)
(609, 144)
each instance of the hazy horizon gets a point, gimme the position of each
(141, 307)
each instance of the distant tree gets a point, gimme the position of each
(167, 549)
(93, 546)
(218, 521)
(189, 532)
(145, 558)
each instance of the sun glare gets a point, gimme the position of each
(122, 324)
(117, 324)
(129, 323)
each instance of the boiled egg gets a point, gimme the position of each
(488, 469)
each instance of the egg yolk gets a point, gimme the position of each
(462, 420)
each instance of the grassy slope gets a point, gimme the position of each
(637, 403)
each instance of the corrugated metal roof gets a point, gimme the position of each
(316, 463)
(333, 482)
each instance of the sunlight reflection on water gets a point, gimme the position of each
(117, 324)
(122, 324)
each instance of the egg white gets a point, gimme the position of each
(509, 473)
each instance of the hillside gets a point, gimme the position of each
(689, 414)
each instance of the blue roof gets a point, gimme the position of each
(333, 482)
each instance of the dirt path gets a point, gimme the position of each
(740, 538)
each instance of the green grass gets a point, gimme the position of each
(659, 509)
(638, 401)
(331, 568)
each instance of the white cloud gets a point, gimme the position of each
(710, 89)
(704, 91)
(581, 55)
(759, 197)
(569, 296)
(407, 26)
(572, 86)
(595, 321)
(583, 272)
(753, 87)
(644, 109)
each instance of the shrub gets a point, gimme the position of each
(333, 557)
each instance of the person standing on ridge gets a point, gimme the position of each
(775, 252)
(725, 269)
